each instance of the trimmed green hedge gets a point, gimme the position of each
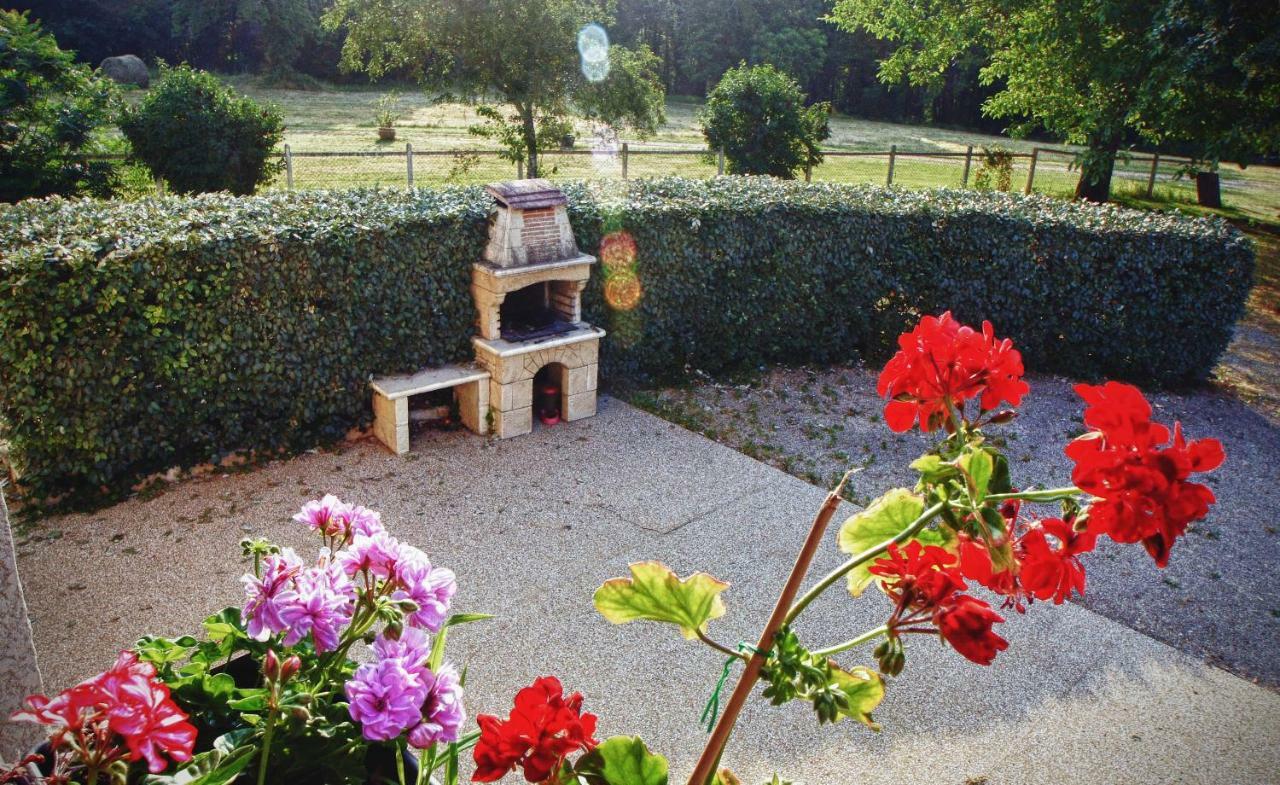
(138, 336)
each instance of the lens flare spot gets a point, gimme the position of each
(622, 290)
(618, 250)
(625, 328)
(593, 48)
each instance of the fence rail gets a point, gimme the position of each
(1043, 169)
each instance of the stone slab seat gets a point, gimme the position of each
(391, 400)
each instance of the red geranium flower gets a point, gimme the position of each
(976, 565)
(125, 703)
(1049, 571)
(1137, 474)
(965, 622)
(943, 361)
(920, 577)
(543, 729)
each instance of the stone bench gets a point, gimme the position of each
(391, 400)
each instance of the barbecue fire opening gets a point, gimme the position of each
(533, 312)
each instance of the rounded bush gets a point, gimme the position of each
(200, 136)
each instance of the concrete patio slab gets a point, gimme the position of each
(533, 525)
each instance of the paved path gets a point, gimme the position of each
(533, 525)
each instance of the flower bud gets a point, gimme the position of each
(1003, 417)
(271, 665)
(408, 606)
(301, 713)
(290, 666)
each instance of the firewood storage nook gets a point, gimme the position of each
(528, 297)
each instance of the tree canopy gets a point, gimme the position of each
(757, 116)
(53, 111)
(524, 54)
(1097, 73)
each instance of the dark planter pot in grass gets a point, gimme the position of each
(387, 134)
(1208, 189)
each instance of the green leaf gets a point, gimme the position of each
(864, 689)
(654, 592)
(932, 468)
(622, 760)
(466, 618)
(977, 464)
(214, 767)
(884, 519)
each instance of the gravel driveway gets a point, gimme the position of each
(1218, 599)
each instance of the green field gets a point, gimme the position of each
(341, 120)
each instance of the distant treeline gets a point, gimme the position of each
(697, 40)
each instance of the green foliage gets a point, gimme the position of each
(655, 593)
(53, 112)
(200, 136)
(167, 332)
(792, 672)
(882, 520)
(522, 52)
(1096, 72)
(621, 760)
(757, 116)
(995, 169)
(387, 112)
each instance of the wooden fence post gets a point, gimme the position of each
(720, 161)
(1031, 173)
(408, 161)
(288, 168)
(893, 153)
(968, 159)
(1151, 179)
(626, 151)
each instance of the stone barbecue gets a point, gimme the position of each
(535, 357)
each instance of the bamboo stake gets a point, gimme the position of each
(705, 769)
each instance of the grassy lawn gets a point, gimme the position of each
(341, 119)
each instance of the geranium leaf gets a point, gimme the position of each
(884, 519)
(864, 688)
(977, 464)
(622, 760)
(654, 592)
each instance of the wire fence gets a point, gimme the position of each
(1043, 170)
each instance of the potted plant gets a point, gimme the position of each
(271, 694)
(387, 115)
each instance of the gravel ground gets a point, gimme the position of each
(1210, 601)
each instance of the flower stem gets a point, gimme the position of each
(839, 572)
(1046, 495)
(400, 762)
(267, 734)
(869, 635)
(720, 647)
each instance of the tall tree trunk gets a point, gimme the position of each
(530, 140)
(1096, 166)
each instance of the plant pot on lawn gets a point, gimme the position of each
(387, 134)
(1208, 189)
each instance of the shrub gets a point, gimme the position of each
(200, 136)
(756, 114)
(53, 111)
(139, 336)
(995, 170)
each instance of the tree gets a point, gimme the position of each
(1098, 73)
(523, 53)
(53, 112)
(266, 35)
(757, 116)
(199, 135)
(1216, 83)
